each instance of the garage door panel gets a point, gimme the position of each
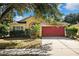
(53, 31)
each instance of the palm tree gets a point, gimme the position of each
(44, 10)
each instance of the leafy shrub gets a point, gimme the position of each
(28, 33)
(71, 32)
(3, 31)
(35, 30)
(17, 33)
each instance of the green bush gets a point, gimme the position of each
(3, 31)
(71, 32)
(28, 33)
(17, 33)
(35, 30)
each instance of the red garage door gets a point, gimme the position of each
(50, 31)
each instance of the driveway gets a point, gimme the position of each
(61, 46)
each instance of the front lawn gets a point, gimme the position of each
(19, 43)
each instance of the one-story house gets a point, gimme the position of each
(46, 28)
(26, 23)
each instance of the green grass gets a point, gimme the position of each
(19, 43)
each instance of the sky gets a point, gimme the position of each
(68, 8)
(20, 17)
(65, 9)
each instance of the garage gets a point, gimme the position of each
(53, 31)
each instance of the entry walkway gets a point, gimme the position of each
(61, 46)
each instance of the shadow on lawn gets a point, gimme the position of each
(7, 45)
(43, 51)
(12, 43)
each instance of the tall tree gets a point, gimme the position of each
(44, 10)
(72, 18)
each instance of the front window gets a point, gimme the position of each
(17, 27)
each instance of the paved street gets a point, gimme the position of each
(62, 46)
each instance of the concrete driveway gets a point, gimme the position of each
(61, 46)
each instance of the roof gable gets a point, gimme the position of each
(27, 18)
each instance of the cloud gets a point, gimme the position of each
(59, 6)
(72, 6)
(17, 18)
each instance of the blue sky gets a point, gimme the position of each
(25, 14)
(65, 8)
